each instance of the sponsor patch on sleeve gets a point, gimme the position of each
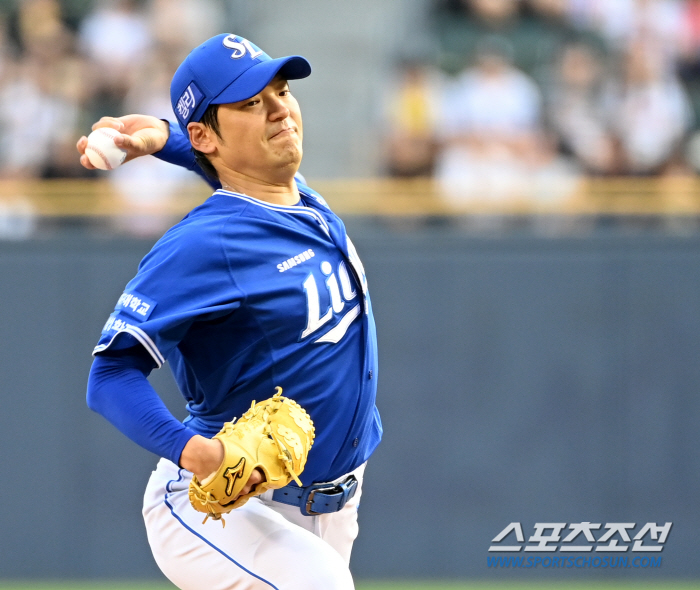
(135, 305)
(115, 324)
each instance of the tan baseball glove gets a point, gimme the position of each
(275, 436)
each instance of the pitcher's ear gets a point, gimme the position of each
(201, 137)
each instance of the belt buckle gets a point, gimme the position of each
(310, 499)
(346, 488)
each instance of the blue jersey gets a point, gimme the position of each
(242, 296)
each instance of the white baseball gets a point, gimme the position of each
(102, 152)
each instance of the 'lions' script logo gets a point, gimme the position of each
(342, 295)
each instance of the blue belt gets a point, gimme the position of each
(319, 498)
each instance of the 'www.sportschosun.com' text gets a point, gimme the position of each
(573, 561)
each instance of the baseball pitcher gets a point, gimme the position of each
(259, 303)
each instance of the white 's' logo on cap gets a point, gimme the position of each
(240, 48)
(188, 101)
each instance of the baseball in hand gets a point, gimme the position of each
(101, 151)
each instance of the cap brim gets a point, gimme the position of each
(254, 79)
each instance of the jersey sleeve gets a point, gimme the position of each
(178, 151)
(184, 279)
(119, 390)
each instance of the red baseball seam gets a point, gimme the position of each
(99, 153)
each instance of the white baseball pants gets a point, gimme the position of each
(265, 545)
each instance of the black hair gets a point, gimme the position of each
(210, 119)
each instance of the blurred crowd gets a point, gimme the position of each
(505, 93)
(536, 92)
(65, 64)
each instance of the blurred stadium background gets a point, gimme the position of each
(521, 180)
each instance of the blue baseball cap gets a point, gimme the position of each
(226, 68)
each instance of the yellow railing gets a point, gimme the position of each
(382, 197)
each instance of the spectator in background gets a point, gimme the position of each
(147, 185)
(41, 96)
(460, 25)
(622, 22)
(576, 110)
(179, 25)
(689, 52)
(649, 109)
(493, 142)
(552, 31)
(8, 52)
(27, 118)
(536, 29)
(689, 41)
(412, 114)
(114, 37)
